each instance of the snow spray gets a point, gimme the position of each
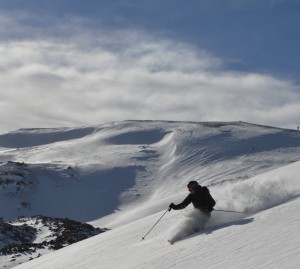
(192, 223)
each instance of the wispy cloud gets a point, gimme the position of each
(89, 76)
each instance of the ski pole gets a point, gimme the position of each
(155, 224)
(228, 211)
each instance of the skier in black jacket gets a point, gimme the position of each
(199, 197)
(197, 219)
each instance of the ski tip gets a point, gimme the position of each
(170, 242)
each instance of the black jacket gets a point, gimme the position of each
(199, 199)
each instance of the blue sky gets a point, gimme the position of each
(88, 62)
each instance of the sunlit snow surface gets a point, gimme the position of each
(123, 176)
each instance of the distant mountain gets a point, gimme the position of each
(89, 172)
(114, 174)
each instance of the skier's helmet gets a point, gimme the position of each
(192, 184)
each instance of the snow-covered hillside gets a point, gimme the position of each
(123, 176)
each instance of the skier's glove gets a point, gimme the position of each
(171, 206)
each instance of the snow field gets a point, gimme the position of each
(265, 239)
(124, 176)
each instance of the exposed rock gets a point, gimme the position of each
(28, 235)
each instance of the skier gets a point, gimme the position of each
(199, 197)
(203, 203)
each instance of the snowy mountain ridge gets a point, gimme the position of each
(123, 175)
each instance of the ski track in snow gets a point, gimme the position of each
(124, 175)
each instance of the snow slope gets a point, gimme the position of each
(123, 176)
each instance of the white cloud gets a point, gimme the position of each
(101, 76)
